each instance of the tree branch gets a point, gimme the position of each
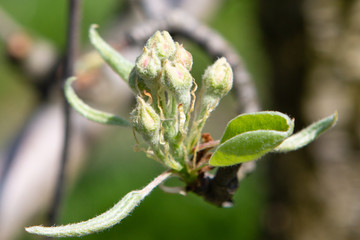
(72, 32)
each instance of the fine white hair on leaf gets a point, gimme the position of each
(106, 220)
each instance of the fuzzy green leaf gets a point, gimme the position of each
(112, 57)
(307, 135)
(87, 111)
(250, 136)
(106, 220)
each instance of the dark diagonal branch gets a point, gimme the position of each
(68, 70)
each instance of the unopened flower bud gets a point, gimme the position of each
(176, 77)
(146, 121)
(148, 65)
(218, 79)
(162, 44)
(177, 80)
(183, 57)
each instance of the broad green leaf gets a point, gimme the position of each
(112, 57)
(106, 220)
(267, 120)
(87, 111)
(307, 135)
(250, 136)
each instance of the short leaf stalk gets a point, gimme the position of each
(166, 100)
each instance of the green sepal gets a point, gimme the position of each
(250, 136)
(112, 57)
(87, 111)
(307, 135)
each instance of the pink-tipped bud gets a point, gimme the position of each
(183, 57)
(178, 81)
(148, 65)
(218, 79)
(176, 77)
(162, 45)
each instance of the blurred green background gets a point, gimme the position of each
(112, 168)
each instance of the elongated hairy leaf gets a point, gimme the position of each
(112, 57)
(87, 111)
(106, 220)
(307, 135)
(250, 136)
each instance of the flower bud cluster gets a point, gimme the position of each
(162, 81)
(164, 87)
(163, 64)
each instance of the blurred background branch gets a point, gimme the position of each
(73, 26)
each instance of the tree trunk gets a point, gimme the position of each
(314, 50)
